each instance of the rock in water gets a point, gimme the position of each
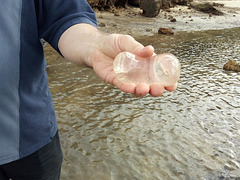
(165, 31)
(232, 65)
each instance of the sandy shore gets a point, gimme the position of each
(130, 21)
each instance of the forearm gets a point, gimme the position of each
(78, 43)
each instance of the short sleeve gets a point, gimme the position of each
(56, 16)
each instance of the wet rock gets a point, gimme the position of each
(173, 20)
(205, 7)
(218, 4)
(101, 24)
(167, 10)
(168, 31)
(100, 17)
(150, 8)
(116, 14)
(164, 4)
(232, 65)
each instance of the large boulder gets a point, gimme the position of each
(150, 8)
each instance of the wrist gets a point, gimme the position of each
(78, 43)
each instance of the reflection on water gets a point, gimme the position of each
(192, 133)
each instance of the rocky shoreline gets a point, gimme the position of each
(129, 20)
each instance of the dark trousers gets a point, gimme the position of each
(44, 164)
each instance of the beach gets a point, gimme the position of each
(130, 20)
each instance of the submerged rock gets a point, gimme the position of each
(173, 19)
(168, 31)
(101, 24)
(232, 65)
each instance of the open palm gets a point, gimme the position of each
(102, 61)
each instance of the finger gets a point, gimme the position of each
(128, 43)
(171, 88)
(141, 90)
(125, 87)
(147, 51)
(156, 90)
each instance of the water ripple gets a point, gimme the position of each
(192, 133)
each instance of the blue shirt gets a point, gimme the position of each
(27, 117)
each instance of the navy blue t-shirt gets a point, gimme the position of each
(27, 117)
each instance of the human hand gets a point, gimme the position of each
(102, 63)
(84, 44)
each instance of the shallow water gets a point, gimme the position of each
(192, 133)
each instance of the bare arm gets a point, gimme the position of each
(78, 43)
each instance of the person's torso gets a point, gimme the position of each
(27, 118)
